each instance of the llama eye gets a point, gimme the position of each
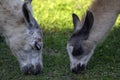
(37, 46)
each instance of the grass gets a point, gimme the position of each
(55, 19)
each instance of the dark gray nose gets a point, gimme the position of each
(79, 68)
(30, 69)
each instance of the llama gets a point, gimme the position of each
(90, 31)
(22, 34)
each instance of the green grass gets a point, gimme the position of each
(55, 19)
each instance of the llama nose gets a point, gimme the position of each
(78, 69)
(30, 69)
(37, 45)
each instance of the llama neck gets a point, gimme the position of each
(12, 7)
(11, 17)
(105, 14)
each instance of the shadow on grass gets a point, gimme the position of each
(105, 63)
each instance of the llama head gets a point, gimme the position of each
(27, 44)
(79, 47)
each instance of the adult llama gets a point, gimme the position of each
(22, 34)
(90, 31)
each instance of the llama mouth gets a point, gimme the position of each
(79, 68)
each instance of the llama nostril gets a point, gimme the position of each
(37, 69)
(24, 70)
(79, 68)
(31, 69)
(37, 45)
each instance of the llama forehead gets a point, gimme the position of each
(77, 43)
(34, 32)
(76, 39)
(77, 36)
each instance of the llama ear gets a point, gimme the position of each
(28, 1)
(27, 12)
(76, 21)
(88, 23)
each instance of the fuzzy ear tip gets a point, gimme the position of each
(28, 1)
(89, 12)
(73, 14)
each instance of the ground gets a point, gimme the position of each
(55, 19)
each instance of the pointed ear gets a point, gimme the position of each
(76, 21)
(88, 23)
(27, 13)
(28, 1)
